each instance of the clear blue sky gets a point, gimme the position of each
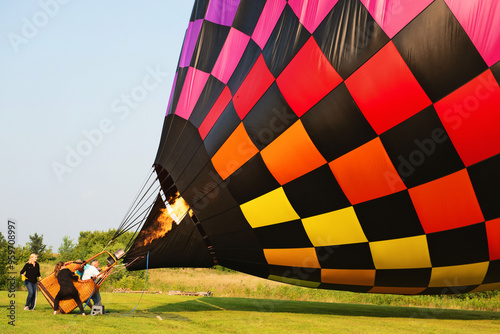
(66, 69)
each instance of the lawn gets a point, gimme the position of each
(187, 314)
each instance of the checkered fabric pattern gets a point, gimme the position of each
(343, 144)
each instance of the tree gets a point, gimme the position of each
(3, 261)
(66, 249)
(36, 245)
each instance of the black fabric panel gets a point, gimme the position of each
(305, 274)
(349, 36)
(463, 245)
(192, 165)
(176, 137)
(286, 40)
(239, 240)
(251, 180)
(448, 290)
(342, 287)
(181, 77)
(496, 71)
(209, 45)
(184, 241)
(206, 197)
(284, 235)
(403, 277)
(389, 217)
(211, 92)
(222, 129)
(229, 221)
(420, 149)
(252, 268)
(199, 10)
(493, 273)
(246, 63)
(485, 178)
(269, 118)
(352, 256)
(336, 125)
(438, 51)
(315, 193)
(248, 15)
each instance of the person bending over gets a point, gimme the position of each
(67, 289)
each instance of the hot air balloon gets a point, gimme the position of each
(334, 144)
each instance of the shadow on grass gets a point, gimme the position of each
(304, 307)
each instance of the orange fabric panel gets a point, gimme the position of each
(292, 257)
(292, 154)
(446, 203)
(237, 150)
(366, 173)
(396, 290)
(348, 277)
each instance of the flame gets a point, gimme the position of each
(175, 211)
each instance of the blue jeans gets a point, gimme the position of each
(32, 291)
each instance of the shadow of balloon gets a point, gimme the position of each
(304, 307)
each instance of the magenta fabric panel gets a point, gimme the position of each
(222, 11)
(480, 21)
(267, 21)
(190, 42)
(311, 12)
(230, 55)
(393, 15)
(172, 94)
(193, 86)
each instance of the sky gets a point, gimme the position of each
(84, 87)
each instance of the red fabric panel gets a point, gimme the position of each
(308, 78)
(493, 232)
(386, 91)
(446, 203)
(215, 112)
(258, 80)
(471, 116)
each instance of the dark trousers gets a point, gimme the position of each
(67, 293)
(32, 291)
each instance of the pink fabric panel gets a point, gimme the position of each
(193, 86)
(481, 20)
(394, 15)
(311, 12)
(267, 21)
(222, 11)
(172, 94)
(230, 55)
(190, 42)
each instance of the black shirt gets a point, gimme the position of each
(65, 278)
(32, 272)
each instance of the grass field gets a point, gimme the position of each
(183, 314)
(247, 304)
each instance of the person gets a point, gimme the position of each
(91, 272)
(79, 272)
(67, 289)
(31, 271)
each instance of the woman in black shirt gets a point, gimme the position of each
(67, 289)
(32, 271)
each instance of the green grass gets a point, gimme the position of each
(185, 314)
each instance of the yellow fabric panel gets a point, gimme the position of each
(334, 228)
(396, 290)
(271, 208)
(294, 281)
(292, 257)
(487, 287)
(348, 276)
(467, 274)
(404, 253)
(233, 154)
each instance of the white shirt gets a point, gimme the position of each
(91, 271)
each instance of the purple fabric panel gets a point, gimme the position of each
(190, 42)
(222, 11)
(230, 55)
(311, 12)
(394, 15)
(193, 86)
(270, 15)
(172, 94)
(481, 20)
